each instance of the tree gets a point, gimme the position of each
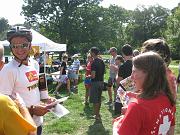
(146, 23)
(4, 26)
(57, 18)
(173, 32)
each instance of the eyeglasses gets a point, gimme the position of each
(20, 46)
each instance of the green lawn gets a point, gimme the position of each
(79, 121)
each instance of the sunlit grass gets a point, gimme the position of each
(79, 122)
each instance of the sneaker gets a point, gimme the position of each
(72, 89)
(97, 118)
(56, 93)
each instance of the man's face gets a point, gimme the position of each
(20, 47)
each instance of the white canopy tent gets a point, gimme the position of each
(44, 43)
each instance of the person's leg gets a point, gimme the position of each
(117, 108)
(115, 89)
(58, 87)
(87, 94)
(68, 85)
(110, 94)
(76, 84)
(97, 107)
(110, 84)
(97, 103)
(39, 130)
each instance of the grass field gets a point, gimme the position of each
(79, 121)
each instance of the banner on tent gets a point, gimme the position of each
(34, 50)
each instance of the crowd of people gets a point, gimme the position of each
(144, 88)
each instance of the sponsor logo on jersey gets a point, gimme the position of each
(32, 76)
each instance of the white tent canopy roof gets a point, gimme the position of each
(44, 43)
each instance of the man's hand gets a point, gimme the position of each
(39, 110)
(49, 100)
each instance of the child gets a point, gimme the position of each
(63, 78)
(74, 73)
(87, 81)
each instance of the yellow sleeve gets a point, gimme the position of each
(13, 121)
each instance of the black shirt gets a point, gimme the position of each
(125, 69)
(99, 67)
(63, 64)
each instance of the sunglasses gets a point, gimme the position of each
(20, 46)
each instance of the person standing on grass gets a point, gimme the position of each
(87, 81)
(119, 60)
(21, 76)
(63, 78)
(124, 71)
(14, 112)
(97, 82)
(152, 112)
(112, 73)
(74, 73)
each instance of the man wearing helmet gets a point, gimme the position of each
(20, 43)
(21, 75)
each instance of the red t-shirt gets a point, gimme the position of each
(88, 68)
(148, 117)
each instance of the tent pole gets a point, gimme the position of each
(44, 59)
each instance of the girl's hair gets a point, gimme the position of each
(120, 58)
(89, 55)
(64, 56)
(159, 46)
(156, 81)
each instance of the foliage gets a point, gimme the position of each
(82, 24)
(146, 23)
(3, 28)
(173, 32)
(61, 20)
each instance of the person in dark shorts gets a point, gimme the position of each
(112, 73)
(97, 81)
(124, 71)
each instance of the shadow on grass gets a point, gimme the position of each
(110, 109)
(87, 111)
(97, 129)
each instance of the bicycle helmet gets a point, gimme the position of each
(19, 31)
